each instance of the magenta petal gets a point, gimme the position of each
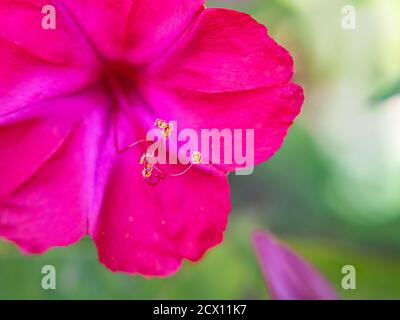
(224, 50)
(289, 276)
(154, 26)
(36, 64)
(269, 111)
(58, 195)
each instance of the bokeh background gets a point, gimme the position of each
(332, 192)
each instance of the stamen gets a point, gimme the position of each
(164, 126)
(151, 173)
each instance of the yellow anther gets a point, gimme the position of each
(147, 160)
(164, 126)
(196, 157)
(147, 171)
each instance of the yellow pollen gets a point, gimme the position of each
(148, 167)
(196, 157)
(164, 126)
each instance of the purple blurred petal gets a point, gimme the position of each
(289, 276)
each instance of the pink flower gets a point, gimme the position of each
(288, 275)
(108, 71)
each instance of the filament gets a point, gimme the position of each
(174, 174)
(116, 146)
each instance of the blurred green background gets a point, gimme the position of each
(332, 191)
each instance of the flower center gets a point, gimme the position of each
(121, 80)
